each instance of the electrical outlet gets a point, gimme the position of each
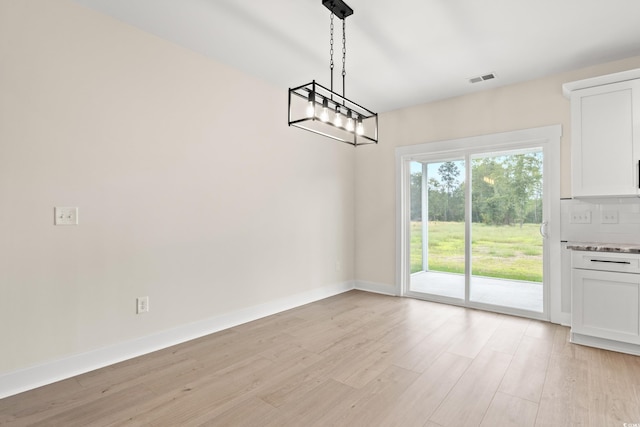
(610, 217)
(65, 216)
(142, 305)
(581, 217)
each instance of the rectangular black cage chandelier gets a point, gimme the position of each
(319, 109)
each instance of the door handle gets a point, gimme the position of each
(543, 229)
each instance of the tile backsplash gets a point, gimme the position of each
(615, 220)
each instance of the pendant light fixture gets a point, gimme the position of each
(318, 109)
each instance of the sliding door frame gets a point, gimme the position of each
(547, 137)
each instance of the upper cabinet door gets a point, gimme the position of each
(605, 148)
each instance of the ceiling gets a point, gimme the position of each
(399, 52)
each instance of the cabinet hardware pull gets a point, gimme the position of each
(612, 262)
(638, 173)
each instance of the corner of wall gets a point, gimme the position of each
(378, 288)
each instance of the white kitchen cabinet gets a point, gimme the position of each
(605, 297)
(607, 305)
(605, 129)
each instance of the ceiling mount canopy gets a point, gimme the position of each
(338, 8)
(319, 109)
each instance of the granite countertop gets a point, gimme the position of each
(605, 247)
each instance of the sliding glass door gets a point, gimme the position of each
(438, 228)
(475, 223)
(506, 218)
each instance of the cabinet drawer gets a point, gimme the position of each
(606, 261)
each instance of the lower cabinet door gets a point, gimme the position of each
(606, 305)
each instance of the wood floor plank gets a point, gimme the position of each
(565, 396)
(542, 330)
(507, 337)
(418, 402)
(632, 372)
(611, 390)
(329, 365)
(40, 402)
(341, 343)
(474, 339)
(373, 401)
(317, 408)
(510, 411)
(300, 383)
(101, 411)
(206, 393)
(353, 359)
(527, 372)
(248, 413)
(390, 347)
(425, 353)
(560, 341)
(212, 396)
(428, 316)
(469, 399)
(566, 349)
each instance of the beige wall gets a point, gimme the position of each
(522, 106)
(191, 188)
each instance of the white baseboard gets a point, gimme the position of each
(50, 372)
(620, 347)
(378, 288)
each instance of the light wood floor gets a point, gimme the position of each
(357, 359)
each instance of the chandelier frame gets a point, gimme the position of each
(323, 111)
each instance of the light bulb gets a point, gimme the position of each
(359, 126)
(324, 115)
(310, 107)
(349, 121)
(338, 119)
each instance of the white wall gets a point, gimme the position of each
(522, 106)
(191, 188)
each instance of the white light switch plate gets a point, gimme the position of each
(66, 215)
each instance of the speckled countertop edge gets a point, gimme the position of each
(605, 247)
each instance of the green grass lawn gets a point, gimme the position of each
(507, 252)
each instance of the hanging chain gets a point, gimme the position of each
(344, 54)
(331, 52)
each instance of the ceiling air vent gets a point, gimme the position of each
(482, 78)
